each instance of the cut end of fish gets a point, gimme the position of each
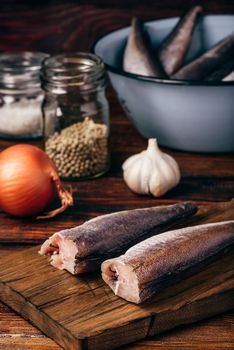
(121, 279)
(61, 252)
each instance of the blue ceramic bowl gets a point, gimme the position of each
(186, 115)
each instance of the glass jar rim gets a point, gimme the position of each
(72, 62)
(20, 71)
(22, 61)
(81, 70)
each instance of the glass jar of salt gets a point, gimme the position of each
(20, 95)
(76, 115)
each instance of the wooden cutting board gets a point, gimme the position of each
(83, 313)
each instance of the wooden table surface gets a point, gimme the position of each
(63, 26)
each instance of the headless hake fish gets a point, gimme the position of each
(173, 50)
(142, 270)
(209, 61)
(85, 247)
(139, 273)
(138, 58)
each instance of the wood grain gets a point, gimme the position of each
(73, 25)
(214, 333)
(83, 313)
(57, 26)
(87, 309)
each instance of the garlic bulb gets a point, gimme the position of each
(151, 171)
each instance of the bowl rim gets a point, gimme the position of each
(153, 79)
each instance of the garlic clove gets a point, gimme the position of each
(134, 162)
(151, 171)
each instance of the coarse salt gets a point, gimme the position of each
(21, 118)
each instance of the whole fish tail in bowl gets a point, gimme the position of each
(138, 57)
(209, 61)
(174, 48)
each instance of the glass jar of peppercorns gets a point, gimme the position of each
(76, 114)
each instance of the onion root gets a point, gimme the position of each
(65, 197)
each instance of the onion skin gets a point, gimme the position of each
(29, 182)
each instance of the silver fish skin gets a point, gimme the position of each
(83, 248)
(138, 57)
(174, 48)
(209, 61)
(141, 271)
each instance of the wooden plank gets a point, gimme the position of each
(214, 333)
(72, 26)
(70, 310)
(83, 313)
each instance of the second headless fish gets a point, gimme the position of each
(83, 248)
(145, 267)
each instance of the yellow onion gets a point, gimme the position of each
(29, 182)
